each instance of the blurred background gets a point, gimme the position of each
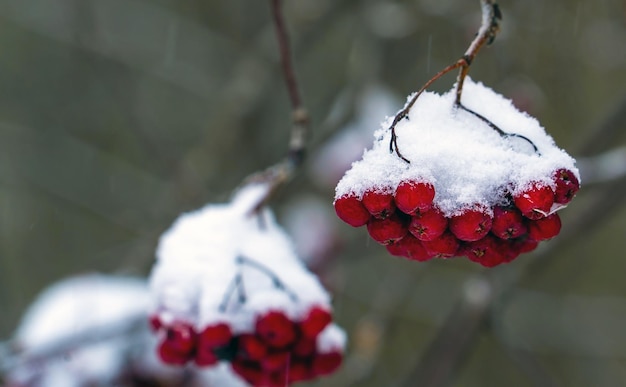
(118, 115)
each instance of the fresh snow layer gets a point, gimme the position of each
(467, 161)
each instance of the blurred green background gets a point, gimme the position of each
(118, 115)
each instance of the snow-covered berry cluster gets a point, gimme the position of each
(487, 189)
(229, 288)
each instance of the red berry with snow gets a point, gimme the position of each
(535, 202)
(441, 160)
(412, 197)
(275, 329)
(178, 344)
(470, 225)
(409, 247)
(545, 228)
(428, 225)
(508, 223)
(567, 185)
(379, 204)
(444, 246)
(351, 210)
(387, 231)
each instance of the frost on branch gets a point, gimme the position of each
(483, 180)
(229, 288)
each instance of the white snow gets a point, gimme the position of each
(77, 308)
(468, 162)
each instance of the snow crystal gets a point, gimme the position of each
(467, 161)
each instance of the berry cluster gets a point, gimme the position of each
(471, 192)
(230, 289)
(409, 224)
(279, 350)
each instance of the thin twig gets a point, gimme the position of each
(278, 283)
(501, 132)
(490, 26)
(486, 35)
(282, 172)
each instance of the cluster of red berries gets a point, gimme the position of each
(280, 351)
(407, 221)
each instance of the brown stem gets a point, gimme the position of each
(486, 34)
(278, 174)
(300, 117)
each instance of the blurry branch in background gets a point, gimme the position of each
(374, 328)
(486, 34)
(280, 173)
(604, 135)
(442, 359)
(603, 168)
(12, 356)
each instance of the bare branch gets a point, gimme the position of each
(281, 172)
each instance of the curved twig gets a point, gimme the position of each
(501, 132)
(486, 34)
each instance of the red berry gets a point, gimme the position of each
(444, 246)
(351, 210)
(276, 361)
(387, 231)
(211, 338)
(316, 320)
(155, 322)
(411, 197)
(248, 370)
(304, 347)
(275, 329)
(535, 202)
(178, 344)
(299, 371)
(508, 223)
(471, 225)
(409, 247)
(527, 246)
(379, 204)
(487, 251)
(170, 355)
(428, 225)
(326, 363)
(567, 185)
(545, 228)
(215, 336)
(252, 347)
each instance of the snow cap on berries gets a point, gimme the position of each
(466, 160)
(458, 176)
(229, 287)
